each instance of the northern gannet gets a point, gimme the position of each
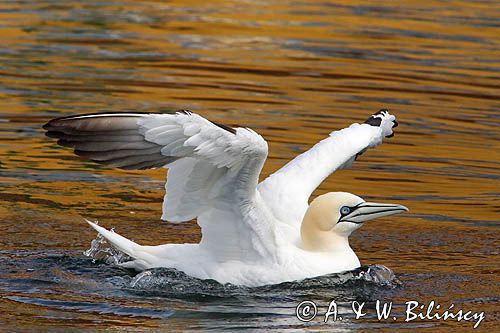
(252, 233)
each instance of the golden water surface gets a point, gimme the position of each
(291, 70)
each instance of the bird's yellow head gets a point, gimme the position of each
(332, 217)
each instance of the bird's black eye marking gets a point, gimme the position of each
(344, 210)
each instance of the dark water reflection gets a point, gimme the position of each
(293, 71)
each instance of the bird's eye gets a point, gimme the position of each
(345, 210)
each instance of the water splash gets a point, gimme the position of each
(101, 250)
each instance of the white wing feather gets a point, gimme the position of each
(213, 172)
(287, 191)
(211, 159)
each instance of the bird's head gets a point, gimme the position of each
(332, 217)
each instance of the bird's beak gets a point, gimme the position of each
(371, 210)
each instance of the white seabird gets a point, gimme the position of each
(252, 233)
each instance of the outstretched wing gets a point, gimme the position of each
(287, 191)
(213, 169)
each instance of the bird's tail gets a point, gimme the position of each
(124, 245)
